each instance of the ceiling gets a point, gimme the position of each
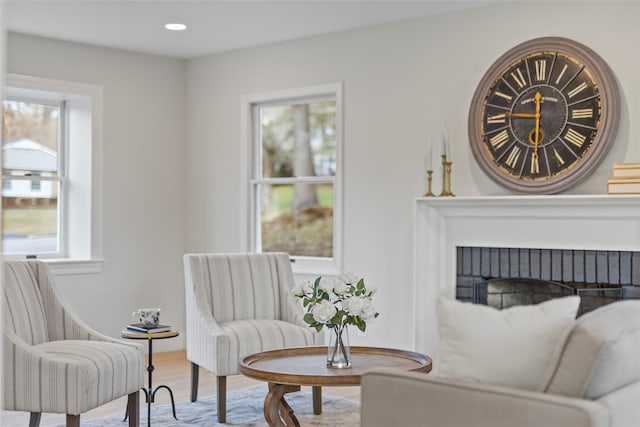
(214, 25)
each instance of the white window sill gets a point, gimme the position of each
(66, 266)
(309, 266)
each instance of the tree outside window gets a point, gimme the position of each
(295, 178)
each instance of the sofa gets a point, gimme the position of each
(594, 382)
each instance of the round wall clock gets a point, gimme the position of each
(544, 115)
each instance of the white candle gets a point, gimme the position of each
(430, 156)
(446, 149)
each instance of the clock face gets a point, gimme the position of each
(543, 116)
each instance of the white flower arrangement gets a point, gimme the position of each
(335, 302)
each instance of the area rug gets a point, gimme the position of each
(244, 408)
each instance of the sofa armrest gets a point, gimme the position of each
(397, 398)
(205, 337)
(623, 405)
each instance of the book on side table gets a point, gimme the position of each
(139, 327)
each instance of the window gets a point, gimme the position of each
(295, 176)
(36, 186)
(50, 174)
(31, 164)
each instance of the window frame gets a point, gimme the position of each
(251, 167)
(57, 100)
(81, 162)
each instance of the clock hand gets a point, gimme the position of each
(537, 97)
(536, 115)
(525, 115)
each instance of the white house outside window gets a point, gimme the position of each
(295, 176)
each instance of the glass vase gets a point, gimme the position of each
(338, 351)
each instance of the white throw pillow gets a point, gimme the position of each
(515, 347)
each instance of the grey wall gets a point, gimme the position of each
(172, 146)
(402, 83)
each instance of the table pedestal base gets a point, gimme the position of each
(277, 411)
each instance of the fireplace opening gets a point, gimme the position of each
(504, 277)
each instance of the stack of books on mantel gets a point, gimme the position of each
(139, 327)
(625, 180)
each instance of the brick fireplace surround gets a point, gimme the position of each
(463, 240)
(599, 277)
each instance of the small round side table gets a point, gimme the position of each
(150, 392)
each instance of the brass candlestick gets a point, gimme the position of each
(449, 193)
(444, 176)
(429, 193)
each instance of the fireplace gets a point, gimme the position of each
(563, 226)
(503, 277)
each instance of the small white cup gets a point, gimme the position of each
(149, 317)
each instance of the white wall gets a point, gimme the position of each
(402, 82)
(143, 178)
(171, 126)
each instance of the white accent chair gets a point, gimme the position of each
(595, 383)
(239, 304)
(52, 361)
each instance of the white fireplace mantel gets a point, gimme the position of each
(587, 222)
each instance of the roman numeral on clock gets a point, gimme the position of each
(576, 90)
(535, 167)
(575, 137)
(541, 69)
(499, 139)
(513, 157)
(561, 73)
(496, 119)
(584, 113)
(518, 78)
(504, 96)
(559, 158)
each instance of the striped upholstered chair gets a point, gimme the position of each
(238, 304)
(53, 362)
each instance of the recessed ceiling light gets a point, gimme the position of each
(175, 27)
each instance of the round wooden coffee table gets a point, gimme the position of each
(287, 369)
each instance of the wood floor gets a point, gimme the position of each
(172, 369)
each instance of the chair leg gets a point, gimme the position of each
(195, 370)
(133, 408)
(222, 399)
(73, 420)
(34, 419)
(316, 392)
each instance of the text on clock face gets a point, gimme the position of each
(542, 101)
